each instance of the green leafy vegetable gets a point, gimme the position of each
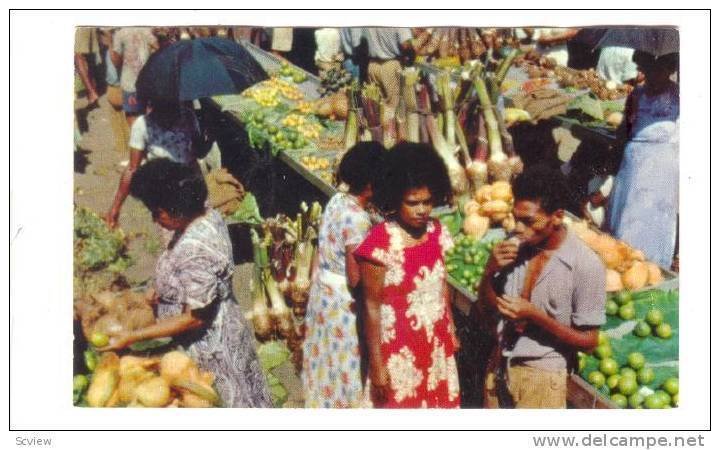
(589, 106)
(278, 395)
(613, 106)
(272, 354)
(248, 211)
(96, 249)
(453, 222)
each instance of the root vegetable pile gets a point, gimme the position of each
(491, 205)
(626, 267)
(539, 67)
(170, 380)
(106, 313)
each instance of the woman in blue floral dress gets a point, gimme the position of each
(331, 374)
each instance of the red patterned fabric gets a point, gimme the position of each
(417, 345)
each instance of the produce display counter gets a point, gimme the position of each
(604, 136)
(234, 106)
(229, 105)
(582, 395)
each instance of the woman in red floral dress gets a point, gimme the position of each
(408, 321)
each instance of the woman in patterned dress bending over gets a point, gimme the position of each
(193, 285)
(408, 321)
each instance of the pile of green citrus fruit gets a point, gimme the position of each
(466, 261)
(263, 128)
(622, 305)
(653, 321)
(288, 71)
(628, 385)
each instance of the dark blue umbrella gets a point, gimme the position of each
(193, 69)
(657, 41)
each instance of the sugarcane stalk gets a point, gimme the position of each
(456, 172)
(447, 102)
(462, 141)
(372, 102)
(351, 123)
(410, 78)
(423, 97)
(401, 126)
(389, 133)
(505, 66)
(498, 167)
(481, 148)
(494, 142)
(514, 161)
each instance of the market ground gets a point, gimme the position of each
(97, 173)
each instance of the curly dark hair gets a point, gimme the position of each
(409, 166)
(176, 188)
(545, 184)
(360, 165)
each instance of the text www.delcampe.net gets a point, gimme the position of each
(619, 441)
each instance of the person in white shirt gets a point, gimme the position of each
(281, 41)
(328, 53)
(389, 49)
(599, 188)
(616, 64)
(552, 43)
